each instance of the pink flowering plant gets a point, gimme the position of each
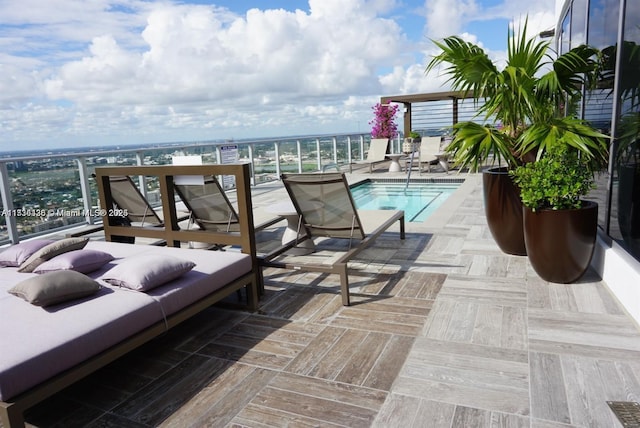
(383, 123)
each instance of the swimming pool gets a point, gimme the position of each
(418, 200)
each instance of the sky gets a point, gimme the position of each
(76, 73)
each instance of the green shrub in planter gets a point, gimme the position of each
(559, 228)
(556, 181)
(415, 136)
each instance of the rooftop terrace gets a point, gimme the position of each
(445, 331)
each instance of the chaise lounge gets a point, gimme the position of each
(326, 209)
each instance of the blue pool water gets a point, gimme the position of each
(418, 200)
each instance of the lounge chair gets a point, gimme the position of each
(128, 198)
(377, 154)
(129, 208)
(429, 151)
(326, 209)
(208, 206)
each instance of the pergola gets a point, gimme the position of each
(407, 100)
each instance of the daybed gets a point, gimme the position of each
(47, 348)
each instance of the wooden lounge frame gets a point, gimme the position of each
(171, 232)
(11, 411)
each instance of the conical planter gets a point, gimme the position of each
(560, 243)
(503, 210)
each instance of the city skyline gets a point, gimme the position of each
(136, 72)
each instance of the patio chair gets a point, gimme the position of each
(208, 206)
(326, 209)
(377, 154)
(429, 151)
(134, 207)
(127, 197)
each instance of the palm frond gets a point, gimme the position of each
(470, 68)
(472, 143)
(567, 131)
(523, 98)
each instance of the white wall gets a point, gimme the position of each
(621, 273)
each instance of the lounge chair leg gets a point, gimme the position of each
(344, 284)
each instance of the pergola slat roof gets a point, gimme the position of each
(407, 100)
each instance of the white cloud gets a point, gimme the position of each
(127, 71)
(447, 17)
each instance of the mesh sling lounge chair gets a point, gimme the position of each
(326, 208)
(377, 154)
(127, 197)
(210, 208)
(208, 205)
(135, 207)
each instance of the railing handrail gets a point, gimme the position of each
(165, 146)
(81, 157)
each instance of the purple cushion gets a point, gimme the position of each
(83, 261)
(16, 254)
(147, 271)
(50, 251)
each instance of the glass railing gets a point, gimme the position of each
(46, 193)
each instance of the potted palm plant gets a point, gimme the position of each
(523, 106)
(559, 226)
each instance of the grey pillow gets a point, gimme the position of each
(50, 251)
(147, 271)
(83, 261)
(16, 254)
(55, 287)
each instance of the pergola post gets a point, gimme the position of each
(407, 118)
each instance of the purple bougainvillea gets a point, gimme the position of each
(383, 124)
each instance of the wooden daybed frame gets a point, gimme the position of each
(11, 411)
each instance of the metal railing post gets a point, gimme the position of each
(85, 189)
(334, 141)
(142, 183)
(253, 166)
(276, 147)
(299, 149)
(319, 157)
(7, 204)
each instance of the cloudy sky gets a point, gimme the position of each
(95, 72)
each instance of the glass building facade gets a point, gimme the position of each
(612, 26)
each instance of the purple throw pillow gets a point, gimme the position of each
(16, 254)
(83, 261)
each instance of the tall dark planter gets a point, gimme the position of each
(560, 243)
(503, 210)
